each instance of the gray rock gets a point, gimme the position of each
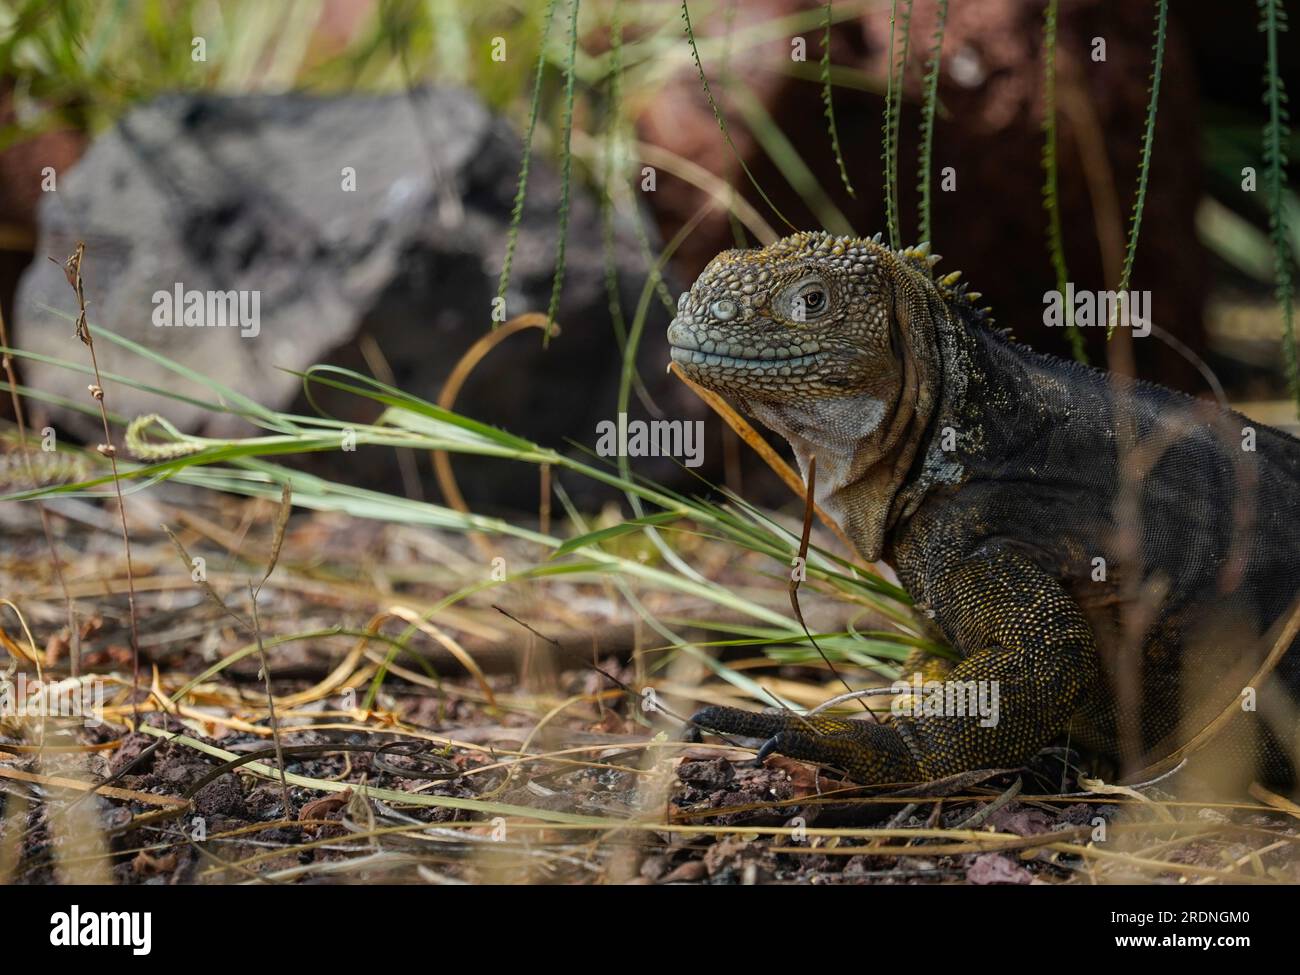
(245, 194)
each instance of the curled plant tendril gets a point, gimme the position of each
(143, 449)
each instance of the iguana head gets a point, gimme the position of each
(833, 343)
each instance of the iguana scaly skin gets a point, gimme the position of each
(1118, 557)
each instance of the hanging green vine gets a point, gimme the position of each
(928, 106)
(566, 166)
(521, 190)
(1051, 194)
(828, 101)
(1148, 139)
(1277, 133)
(893, 114)
(717, 116)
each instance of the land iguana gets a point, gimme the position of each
(1118, 557)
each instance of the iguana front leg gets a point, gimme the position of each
(1020, 631)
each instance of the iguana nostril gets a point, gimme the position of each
(724, 310)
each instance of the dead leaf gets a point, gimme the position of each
(689, 872)
(91, 626)
(803, 777)
(996, 868)
(56, 647)
(1021, 820)
(145, 865)
(321, 808)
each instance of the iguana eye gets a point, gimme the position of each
(805, 301)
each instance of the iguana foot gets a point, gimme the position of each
(867, 753)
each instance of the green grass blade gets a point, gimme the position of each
(615, 531)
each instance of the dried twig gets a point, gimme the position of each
(72, 271)
(277, 543)
(797, 576)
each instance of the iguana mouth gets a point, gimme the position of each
(702, 344)
(694, 357)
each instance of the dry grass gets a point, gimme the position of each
(558, 774)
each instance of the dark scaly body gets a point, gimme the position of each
(1052, 466)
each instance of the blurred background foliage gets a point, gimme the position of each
(79, 65)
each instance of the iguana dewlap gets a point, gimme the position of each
(1118, 557)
